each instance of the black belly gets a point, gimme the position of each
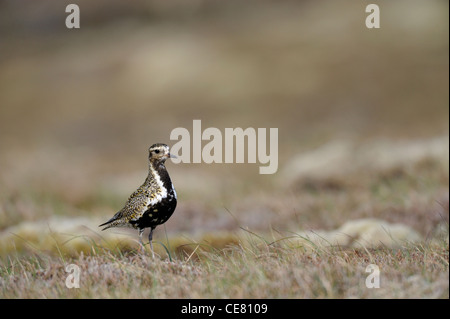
(157, 214)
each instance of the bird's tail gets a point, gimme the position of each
(114, 221)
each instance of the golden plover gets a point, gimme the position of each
(154, 202)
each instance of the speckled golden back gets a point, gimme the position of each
(154, 201)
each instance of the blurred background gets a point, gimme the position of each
(362, 114)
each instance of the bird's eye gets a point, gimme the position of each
(157, 151)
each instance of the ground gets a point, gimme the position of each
(363, 156)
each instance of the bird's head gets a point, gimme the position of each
(159, 153)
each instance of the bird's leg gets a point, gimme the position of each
(150, 237)
(141, 231)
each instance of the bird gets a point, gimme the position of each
(154, 202)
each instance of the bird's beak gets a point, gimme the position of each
(172, 156)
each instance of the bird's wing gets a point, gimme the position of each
(134, 208)
(136, 205)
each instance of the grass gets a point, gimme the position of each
(232, 253)
(363, 135)
(258, 270)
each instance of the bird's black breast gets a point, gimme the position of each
(158, 213)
